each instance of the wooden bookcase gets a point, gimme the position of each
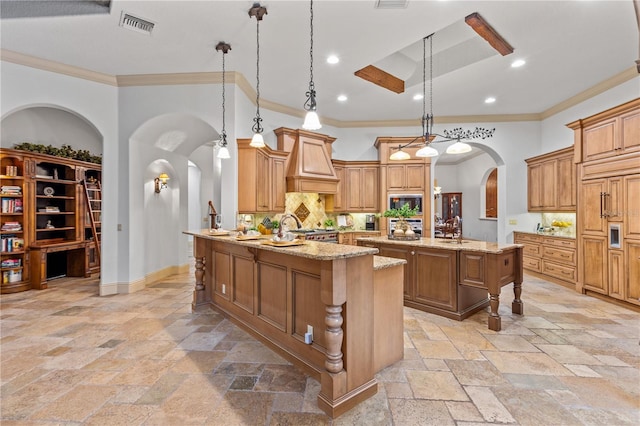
(49, 232)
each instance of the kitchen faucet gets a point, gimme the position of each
(288, 216)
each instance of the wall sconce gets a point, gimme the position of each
(437, 190)
(161, 182)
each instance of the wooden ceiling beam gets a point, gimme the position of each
(382, 78)
(487, 32)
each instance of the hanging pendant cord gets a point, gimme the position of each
(311, 84)
(257, 126)
(224, 133)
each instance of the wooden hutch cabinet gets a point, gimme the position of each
(53, 228)
(608, 232)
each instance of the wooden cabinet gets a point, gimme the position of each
(405, 177)
(551, 182)
(609, 134)
(338, 202)
(14, 269)
(553, 257)
(451, 205)
(261, 178)
(435, 278)
(48, 218)
(361, 184)
(608, 148)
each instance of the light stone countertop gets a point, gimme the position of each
(542, 234)
(310, 249)
(441, 243)
(359, 231)
(382, 262)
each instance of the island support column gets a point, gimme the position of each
(201, 247)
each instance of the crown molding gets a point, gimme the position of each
(56, 67)
(601, 87)
(241, 82)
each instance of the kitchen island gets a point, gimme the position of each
(452, 278)
(333, 310)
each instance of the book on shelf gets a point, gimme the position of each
(11, 226)
(11, 190)
(11, 243)
(11, 263)
(11, 277)
(11, 205)
(52, 209)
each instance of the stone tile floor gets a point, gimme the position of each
(70, 357)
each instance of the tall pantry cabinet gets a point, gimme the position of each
(607, 150)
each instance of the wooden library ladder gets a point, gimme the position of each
(93, 197)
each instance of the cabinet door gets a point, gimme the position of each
(594, 263)
(632, 206)
(599, 140)
(340, 195)
(370, 189)
(566, 184)
(395, 177)
(613, 206)
(592, 206)
(435, 278)
(549, 183)
(534, 187)
(630, 132)
(414, 177)
(616, 274)
(278, 184)
(263, 187)
(632, 268)
(354, 179)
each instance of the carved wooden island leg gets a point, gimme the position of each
(495, 322)
(199, 252)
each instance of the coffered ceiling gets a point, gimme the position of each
(568, 46)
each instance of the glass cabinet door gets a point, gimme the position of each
(451, 205)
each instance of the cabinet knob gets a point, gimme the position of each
(413, 253)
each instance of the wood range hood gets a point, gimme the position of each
(309, 167)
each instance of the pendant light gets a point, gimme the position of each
(257, 141)
(223, 152)
(427, 120)
(311, 120)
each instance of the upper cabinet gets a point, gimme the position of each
(361, 183)
(551, 182)
(611, 133)
(405, 177)
(261, 178)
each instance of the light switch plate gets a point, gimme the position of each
(513, 222)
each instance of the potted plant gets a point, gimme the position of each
(329, 224)
(402, 227)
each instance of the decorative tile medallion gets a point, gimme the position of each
(302, 212)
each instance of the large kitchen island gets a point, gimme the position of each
(334, 310)
(455, 278)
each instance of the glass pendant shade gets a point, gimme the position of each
(224, 152)
(427, 151)
(399, 156)
(257, 141)
(311, 121)
(459, 148)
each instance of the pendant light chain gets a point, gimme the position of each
(311, 84)
(224, 132)
(257, 126)
(431, 78)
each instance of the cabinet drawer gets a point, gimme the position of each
(562, 272)
(566, 256)
(559, 242)
(520, 238)
(531, 263)
(532, 250)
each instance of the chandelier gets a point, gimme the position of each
(223, 152)
(428, 135)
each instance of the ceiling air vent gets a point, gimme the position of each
(136, 24)
(391, 4)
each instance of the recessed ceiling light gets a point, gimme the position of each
(333, 59)
(518, 63)
(489, 100)
(417, 97)
(342, 98)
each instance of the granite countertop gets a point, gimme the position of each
(542, 234)
(310, 249)
(359, 231)
(382, 262)
(441, 243)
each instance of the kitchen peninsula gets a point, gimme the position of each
(334, 310)
(452, 278)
